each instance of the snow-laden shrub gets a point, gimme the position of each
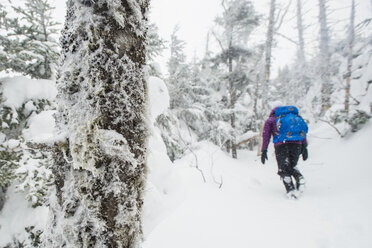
(358, 119)
(22, 100)
(169, 129)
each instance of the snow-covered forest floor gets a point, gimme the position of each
(242, 202)
(251, 209)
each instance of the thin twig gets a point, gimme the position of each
(333, 126)
(212, 166)
(218, 40)
(196, 157)
(281, 18)
(289, 39)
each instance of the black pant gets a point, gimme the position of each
(287, 155)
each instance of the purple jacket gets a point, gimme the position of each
(270, 129)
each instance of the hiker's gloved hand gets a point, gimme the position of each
(305, 155)
(263, 156)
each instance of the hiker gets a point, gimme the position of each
(289, 142)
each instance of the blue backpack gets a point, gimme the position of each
(290, 125)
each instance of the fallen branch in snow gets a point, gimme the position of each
(334, 127)
(47, 146)
(356, 101)
(247, 140)
(192, 151)
(197, 164)
(214, 179)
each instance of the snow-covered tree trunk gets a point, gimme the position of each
(324, 58)
(349, 57)
(267, 68)
(233, 98)
(100, 169)
(269, 42)
(300, 29)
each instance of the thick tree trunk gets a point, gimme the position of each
(100, 170)
(349, 58)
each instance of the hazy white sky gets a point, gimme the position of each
(195, 17)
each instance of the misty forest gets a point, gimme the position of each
(112, 135)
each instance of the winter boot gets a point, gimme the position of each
(294, 194)
(288, 184)
(300, 183)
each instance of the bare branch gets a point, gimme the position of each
(218, 40)
(356, 101)
(220, 183)
(192, 151)
(223, 5)
(281, 18)
(333, 126)
(286, 37)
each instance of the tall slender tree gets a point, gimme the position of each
(100, 168)
(267, 67)
(269, 41)
(324, 61)
(351, 36)
(300, 29)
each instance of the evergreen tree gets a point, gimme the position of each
(237, 22)
(100, 170)
(178, 72)
(187, 101)
(28, 43)
(155, 46)
(20, 165)
(3, 15)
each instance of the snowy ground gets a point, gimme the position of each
(251, 209)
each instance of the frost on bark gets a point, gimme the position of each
(100, 169)
(324, 58)
(349, 57)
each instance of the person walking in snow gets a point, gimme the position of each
(289, 136)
